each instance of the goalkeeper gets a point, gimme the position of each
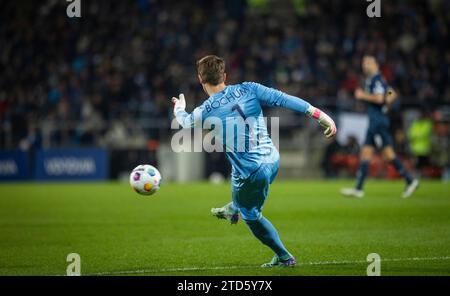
(254, 167)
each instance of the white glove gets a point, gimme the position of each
(178, 104)
(324, 120)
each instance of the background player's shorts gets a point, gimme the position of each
(380, 132)
(250, 194)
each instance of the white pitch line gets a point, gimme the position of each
(181, 269)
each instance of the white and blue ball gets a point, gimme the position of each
(145, 179)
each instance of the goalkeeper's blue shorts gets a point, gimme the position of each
(250, 194)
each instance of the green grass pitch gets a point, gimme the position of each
(116, 231)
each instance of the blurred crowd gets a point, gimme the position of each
(99, 77)
(424, 148)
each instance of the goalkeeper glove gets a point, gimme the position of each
(324, 120)
(178, 104)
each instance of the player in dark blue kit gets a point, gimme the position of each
(254, 166)
(378, 97)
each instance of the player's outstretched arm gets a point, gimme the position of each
(185, 119)
(276, 98)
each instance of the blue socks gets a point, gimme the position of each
(268, 235)
(401, 170)
(362, 174)
(364, 169)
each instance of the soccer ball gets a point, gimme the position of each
(145, 179)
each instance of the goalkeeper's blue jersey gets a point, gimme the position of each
(246, 145)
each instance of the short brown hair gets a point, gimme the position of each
(211, 69)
